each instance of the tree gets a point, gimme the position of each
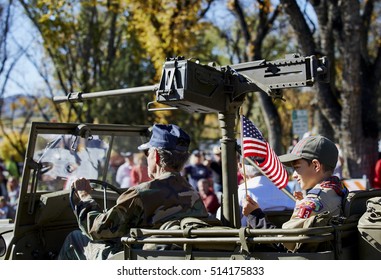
(14, 140)
(168, 29)
(15, 128)
(348, 35)
(346, 108)
(92, 50)
(255, 26)
(118, 44)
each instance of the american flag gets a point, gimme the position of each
(254, 146)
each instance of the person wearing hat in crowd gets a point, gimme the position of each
(313, 158)
(123, 174)
(168, 196)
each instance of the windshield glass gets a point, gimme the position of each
(61, 158)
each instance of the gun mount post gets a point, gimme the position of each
(230, 215)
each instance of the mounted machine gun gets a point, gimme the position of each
(197, 88)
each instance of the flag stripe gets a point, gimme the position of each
(272, 167)
(257, 148)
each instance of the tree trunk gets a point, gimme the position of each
(353, 117)
(253, 51)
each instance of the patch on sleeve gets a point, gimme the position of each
(308, 206)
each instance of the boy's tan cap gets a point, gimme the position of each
(313, 147)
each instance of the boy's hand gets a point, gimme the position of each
(249, 205)
(298, 195)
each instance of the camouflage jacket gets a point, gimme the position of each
(149, 204)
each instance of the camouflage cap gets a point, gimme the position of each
(313, 147)
(168, 137)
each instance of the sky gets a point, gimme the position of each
(25, 78)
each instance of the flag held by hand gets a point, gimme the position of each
(255, 147)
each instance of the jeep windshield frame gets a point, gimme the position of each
(57, 153)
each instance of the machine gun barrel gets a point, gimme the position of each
(80, 96)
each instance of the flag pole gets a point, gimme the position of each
(242, 157)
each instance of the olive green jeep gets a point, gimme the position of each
(57, 153)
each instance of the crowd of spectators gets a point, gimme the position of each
(9, 188)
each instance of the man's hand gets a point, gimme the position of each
(82, 188)
(249, 205)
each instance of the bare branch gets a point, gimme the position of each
(206, 9)
(236, 7)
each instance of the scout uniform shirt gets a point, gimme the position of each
(325, 198)
(318, 200)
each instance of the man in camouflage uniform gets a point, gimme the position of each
(168, 196)
(313, 158)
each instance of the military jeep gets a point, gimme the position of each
(58, 153)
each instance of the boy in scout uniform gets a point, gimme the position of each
(313, 158)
